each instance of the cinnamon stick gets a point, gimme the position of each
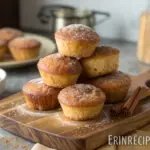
(143, 93)
(129, 102)
(116, 109)
(129, 106)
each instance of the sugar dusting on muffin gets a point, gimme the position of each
(37, 87)
(78, 32)
(55, 63)
(24, 43)
(8, 34)
(81, 94)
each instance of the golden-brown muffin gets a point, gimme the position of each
(8, 34)
(81, 101)
(59, 71)
(76, 40)
(104, 60)
(39, 96)
(114, 85)
(24, 49)
(3, 49)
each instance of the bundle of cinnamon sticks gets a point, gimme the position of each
(128, 107)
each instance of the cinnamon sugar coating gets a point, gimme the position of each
(77, 32)
(38, 88)
(81, 95)
(116, 79)
(57, 64)
(105, 50)
(114, 85)
(23, 43)
(8, 34)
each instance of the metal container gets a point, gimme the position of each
(58, 16)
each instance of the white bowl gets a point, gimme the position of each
(2, 80)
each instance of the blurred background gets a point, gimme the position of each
(120, 24)
(123, 23)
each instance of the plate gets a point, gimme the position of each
(47, 48)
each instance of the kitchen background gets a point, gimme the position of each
(120, 31)
(123, 24)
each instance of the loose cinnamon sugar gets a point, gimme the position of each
(14, 144)
(5, 140)
(24, 110)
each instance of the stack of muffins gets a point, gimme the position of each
(78, 57)
(13, 41)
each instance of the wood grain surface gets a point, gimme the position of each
(54, 130)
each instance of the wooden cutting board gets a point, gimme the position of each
(54, 130)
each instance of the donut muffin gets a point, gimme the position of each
(3, 49)
(8, 34)
(24, 49)
(104, 60)
(76, 40)
(81, 101)
(39, 96)
(114, 85)
(59, 71)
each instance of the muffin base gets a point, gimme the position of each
(24, 54)
(94, 67)
(40, 102)
(58, 81)
(3, 51)
(81, 113)
(76, 49)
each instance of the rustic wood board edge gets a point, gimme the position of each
(47, 139)
(65, 141)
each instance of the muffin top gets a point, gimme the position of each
(24, 43)
(57, 64)
(116, 79)
(77, 32)
(81, 95)
(3, 43)
(37, 87)
(7, 34)
(104, 51)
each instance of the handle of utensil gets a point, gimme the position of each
(105, 15)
